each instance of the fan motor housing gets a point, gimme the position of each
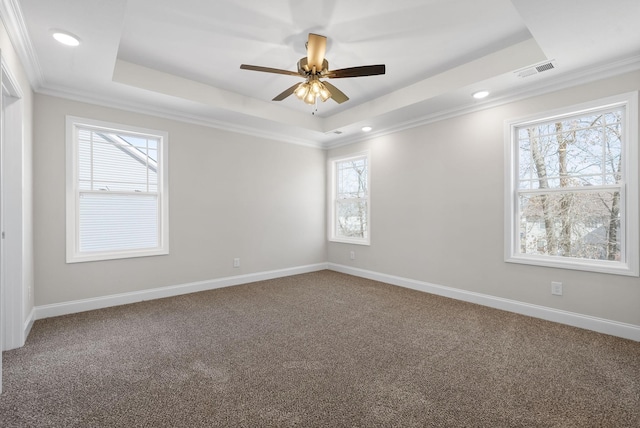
(305, 70)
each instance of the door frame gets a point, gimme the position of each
(12, 284)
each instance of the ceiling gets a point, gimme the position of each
(181, 59)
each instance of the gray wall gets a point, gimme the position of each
(437, 209)
(437, 212)
(231, 195)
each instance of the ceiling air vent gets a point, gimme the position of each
(337, 132)
(536, 69)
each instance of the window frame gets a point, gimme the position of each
(629, 263)
(73, 253)
(332, 202)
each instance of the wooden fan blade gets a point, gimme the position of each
(269, 70)
(364, 70)
(316, 48)
(336, 94)
(286, 93)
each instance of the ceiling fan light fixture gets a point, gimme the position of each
(310, 98)
(315, 87)
(302, 90)
(324, 93)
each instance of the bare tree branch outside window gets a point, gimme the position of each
(569, 174)
(351, 215)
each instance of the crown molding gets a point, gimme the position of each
(13, 20)
(566, 81)
(561, 82)
(142, 108)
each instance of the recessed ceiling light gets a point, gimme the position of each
(66, 38)
(480, 94)
(366, 128)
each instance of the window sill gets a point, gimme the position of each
(100, 256)
(351, 241)
(597, 266)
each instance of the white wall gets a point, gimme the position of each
(437, 198)
(231, 195)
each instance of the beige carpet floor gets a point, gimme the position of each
(317, 350)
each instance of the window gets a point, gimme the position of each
(572, 188)
(117, 192)
(349, 216)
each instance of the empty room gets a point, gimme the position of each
(319, 214)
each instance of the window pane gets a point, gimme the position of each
(613, 152)
(573, 152)
(352, 179)
(351, 219)
(582, 225)
(84, 164)
(118, 222)
(116, 162)
(153, 155)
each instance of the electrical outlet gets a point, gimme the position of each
(236, 262)
(556, 288)
(352, 255)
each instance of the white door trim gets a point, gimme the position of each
(12, 290)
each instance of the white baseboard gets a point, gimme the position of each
(29, 323)
(19, 337)
(600, 325)
(65, 308)
(614, 328)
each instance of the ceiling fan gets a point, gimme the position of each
(315, 67)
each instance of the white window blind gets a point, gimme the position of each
(111, 222)
(118, 207)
